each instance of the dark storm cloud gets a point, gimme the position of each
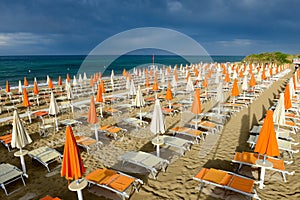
(77, 26)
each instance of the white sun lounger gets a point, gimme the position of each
(135, 122)
(9, 174)
(177, 142)
(45, 156)
(146, 160)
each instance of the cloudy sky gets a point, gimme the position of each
(222, 27)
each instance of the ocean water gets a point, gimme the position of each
(15, 68)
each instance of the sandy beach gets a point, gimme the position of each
(177, 182)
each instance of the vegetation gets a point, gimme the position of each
(274, 57)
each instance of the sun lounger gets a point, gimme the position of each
(122, 184)
(113, 131)
(281, 133)
(6, 140)
(135, 122)
(146, 160)
(207, 125)
(179, 143)
(45, 156)
(282, 144)
(228, 181)
(168, 111)
(197, 134)
(87, 142)
(9, 174)
(249, 158)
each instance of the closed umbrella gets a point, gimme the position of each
(72, 165)
(220, 96)
(235, 90)
(287, 97)
(53, 109)
(26, 103)
(36, 91)
(20, 139)
(7, 87)
(190, 87)
(196, 106)
(155, 86)
(279, 113)
(25, 82)
(20, 89)
(157, 123)
(50, 84)
(139, 100)
(92, 116)
(99, 98)
(266, 144)
(252, 82)
(70, 96)
(245, 85)
(169, 95)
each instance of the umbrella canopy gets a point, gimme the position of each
(7, 87)
(132, 90)
(235, 89)
(267, 142)
(92, 116)
(287, 97)
(99, 97)
(59, 82)
(169, 95)
(189, 85)
(155, 86)
(35, 88)
(26, 102)
(245, 84)
(196, 106)
(252, 81)
(20, 138)
(53, 108)
(72, 165)
(20, 87)
(69, 92)
(102, 86)
(25, 82)
(50, 84)
(279, 112)
(157, 123)
(139, 100)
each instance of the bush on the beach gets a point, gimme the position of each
(274, 57)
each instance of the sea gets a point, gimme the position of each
(15, 68)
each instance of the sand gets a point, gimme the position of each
(176, 183)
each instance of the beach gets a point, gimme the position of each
(177, 182)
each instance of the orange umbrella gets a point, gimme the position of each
(99, 97)
(35, 88)
(263, 75)
(50, 84)
(26, 103)
(267, 142)
(235, 89)
(68, 78)
(196, 106)
(25, 81)
(72, 165)
(287, 98)
(92, 116)
(59, 82)
(252, 81)
(155, 85)
(102, 86)
(147, 81)
(169, 95)
(7, 87)
(227, 78)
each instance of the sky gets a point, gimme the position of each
(221, 27)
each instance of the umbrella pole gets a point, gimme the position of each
(101, 110)
(29, 117)
(170, 106)
(56, 123)
(157, 146)
(37, 100)
(21, 154)
(140, 113)
(196, 126)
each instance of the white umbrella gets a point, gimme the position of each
(174, 84)
(279, 113)
(220, 96)
(132, 90)
(74, 81)
(84, 76)
(190, 87)
(292, 89)
(245, 85)
(157, 123)
(139, 100)
(53, 109)
(70, 95)
(20, 139)
(20, 89)
(162, 79)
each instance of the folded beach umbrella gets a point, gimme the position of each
(36, 91)
(287, 98)
(245, 85)
(68, 78)
(132, 90)
(92, 116)
(102, 86)
(157, 123)
(20, 89)
(53, 109)
(99, 98)
(292, 89)
(190, 87)
(196, 106)
(50, 84)
(139, 100)
(25, 82)
(169, 95)
(80, 79)
(252, 81)
(127, 86)
(74, 81)
(220, 96)
(26, 103)
(155, 86)
(279, 112)
(59, 82)
(20, 138)
(235, 90)
(72, 166)
(147, 83)
(7, 87)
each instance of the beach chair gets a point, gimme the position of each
(8, 174)
(47, 197)
(179, 143)
(135, 122)
(88, 143)
(149, 161)
(46, 126)
(207, 125)
(64, 107)
(197, 134)
(250, 158)
(228, 181)
(117, 182)
(45, 155)
(6, 141)
(168, 111)
(113, 131)
(281, 133)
